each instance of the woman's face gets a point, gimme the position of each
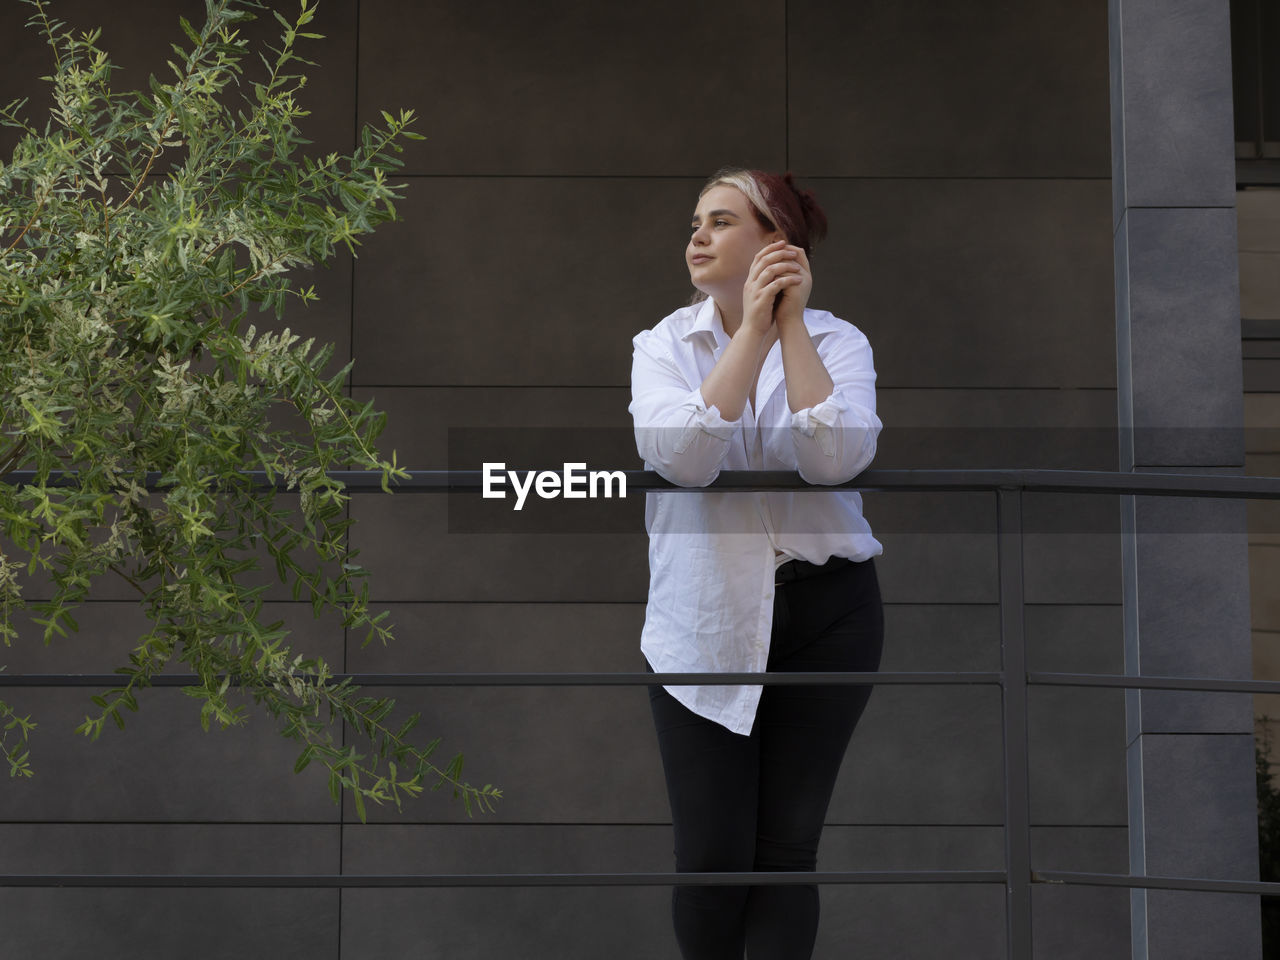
(726, 238)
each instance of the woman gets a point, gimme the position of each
(750, 378)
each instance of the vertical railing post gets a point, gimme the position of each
(1017, 803)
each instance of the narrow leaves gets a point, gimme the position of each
(139, 232)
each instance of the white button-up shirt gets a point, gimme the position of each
(712, 555)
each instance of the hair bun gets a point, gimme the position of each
(806, 198)
(814, 218)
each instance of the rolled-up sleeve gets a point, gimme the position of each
(835, 439)
(677, 433)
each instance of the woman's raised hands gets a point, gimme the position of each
(777, 287)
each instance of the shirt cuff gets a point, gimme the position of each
(817, 421)
(708, 420)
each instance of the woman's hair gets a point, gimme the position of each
(778, 203)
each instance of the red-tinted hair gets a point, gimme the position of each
(785, 206)
(795, 212)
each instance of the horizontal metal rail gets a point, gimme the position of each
(1201, 884)
(539, 679)
(1202, 684)
(894, 678)
(792, 878)
(1030, 480)
(401, 881)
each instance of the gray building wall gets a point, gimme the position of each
(962, 152)
(1258, 210)
(1185, 566)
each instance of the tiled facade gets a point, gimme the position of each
(963, 153)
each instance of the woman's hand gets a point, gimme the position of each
(778, 283)
(795, 297)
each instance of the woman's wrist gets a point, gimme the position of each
(751, 333)
(789, 320)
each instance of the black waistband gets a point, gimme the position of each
(802, 569)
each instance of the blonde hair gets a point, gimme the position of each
(747, 183)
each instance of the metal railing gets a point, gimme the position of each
(1013, 678)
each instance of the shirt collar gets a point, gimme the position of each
(707, 320)
(820, 322)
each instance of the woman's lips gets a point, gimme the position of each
(700, 258)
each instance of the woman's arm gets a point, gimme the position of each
(727, 385)
(835, 438)
(831, 393)
(808, 380)
(679, 434)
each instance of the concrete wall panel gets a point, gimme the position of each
(194, 924)
(989, 428)
(577, 88)
(920, 90)
(1172, 140)
(1076, 922)
(1075, 638)
(1192, 632)
(138, 40)
(564, 755)
(1009, 286)
(1182, 298)
(1077, 742)
(923, 755)
(519, 281)
(161, 767)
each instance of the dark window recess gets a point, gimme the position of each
(1255, 78)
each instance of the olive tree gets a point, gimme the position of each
(139, 234)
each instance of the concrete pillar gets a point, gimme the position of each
(1180, 400)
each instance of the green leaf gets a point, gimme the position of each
(304, 759)
(189, 30)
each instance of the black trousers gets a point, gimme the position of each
(758, 802)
